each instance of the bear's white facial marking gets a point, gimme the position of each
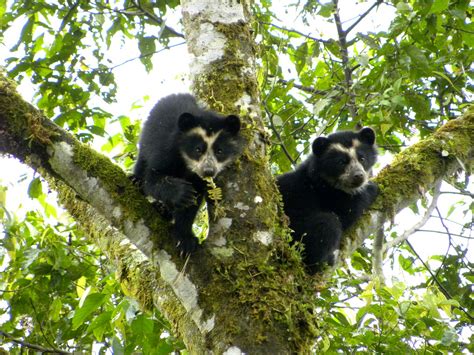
(354, 176)
(204, 162)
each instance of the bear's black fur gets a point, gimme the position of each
(182, 143)
(328, 192)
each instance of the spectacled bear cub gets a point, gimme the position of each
(182, 143)
(328, 192)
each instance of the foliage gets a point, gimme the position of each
(58, 290)
(404, 80)
(64, 49)
(409, 78)
(390, 319)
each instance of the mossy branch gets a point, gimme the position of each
(109, 208)
(414, 172)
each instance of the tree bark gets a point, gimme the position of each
(245, 290)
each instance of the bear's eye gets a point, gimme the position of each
(198, 150)
(361, 159)
(219, 151)
(341, 161)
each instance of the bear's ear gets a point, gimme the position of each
(232, 124)
(367, 135)
(319, 145)
(186, 121)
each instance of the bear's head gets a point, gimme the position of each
(209, 143)
(344, 159)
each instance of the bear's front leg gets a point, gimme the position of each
(186, 241)
(322, 237)
(174, 192)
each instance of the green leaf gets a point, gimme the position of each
(418, 57)
(117, 346)
(403, 7)
(3, 6)
(341, 318)
(26, 34)
(30, 256)
(55, 309)
(92, 302)
(406, 263)
(300, 57)
(164, 348)
(326, 9)
(100, 325)
(35, 188)
(147, 47)
(439, 6)
(3, 200)
(143, 325)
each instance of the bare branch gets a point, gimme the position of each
(277, 134)
(420, 223)
(157, 19)
(295, 31)
(361, 17)
(377, 260)
(307, 89)
(144, 55)
(32, 346)
(345, 61)
(444, 233)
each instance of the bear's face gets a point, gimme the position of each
(345, 159)
(208, 144)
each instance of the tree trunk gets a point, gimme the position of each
(245, 290)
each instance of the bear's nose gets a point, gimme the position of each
(208, 172)
(358, 179)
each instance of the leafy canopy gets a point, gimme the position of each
(405, 79)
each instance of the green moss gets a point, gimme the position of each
(264, 298)
(118, 185)
(416, 168)
(22, 120)
(259, 291)
(225, 81)
(136, 279)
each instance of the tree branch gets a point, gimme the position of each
(361, 17)
(32, 346)
(157, 19)
(420, 223)
(320, 40)
(377, 260)
(277, 134)
(351, 104)
(307, 89)
(417, 168)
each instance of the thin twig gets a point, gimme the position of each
(420, 223)
(443, 290)
(32, 346)
(345, 61)
(295, 31)
(144, 55)
(277, 134)
(377, 269)
(307, 89)
(157, 19)
(361, 17)
(440, 232)
(449, 245)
